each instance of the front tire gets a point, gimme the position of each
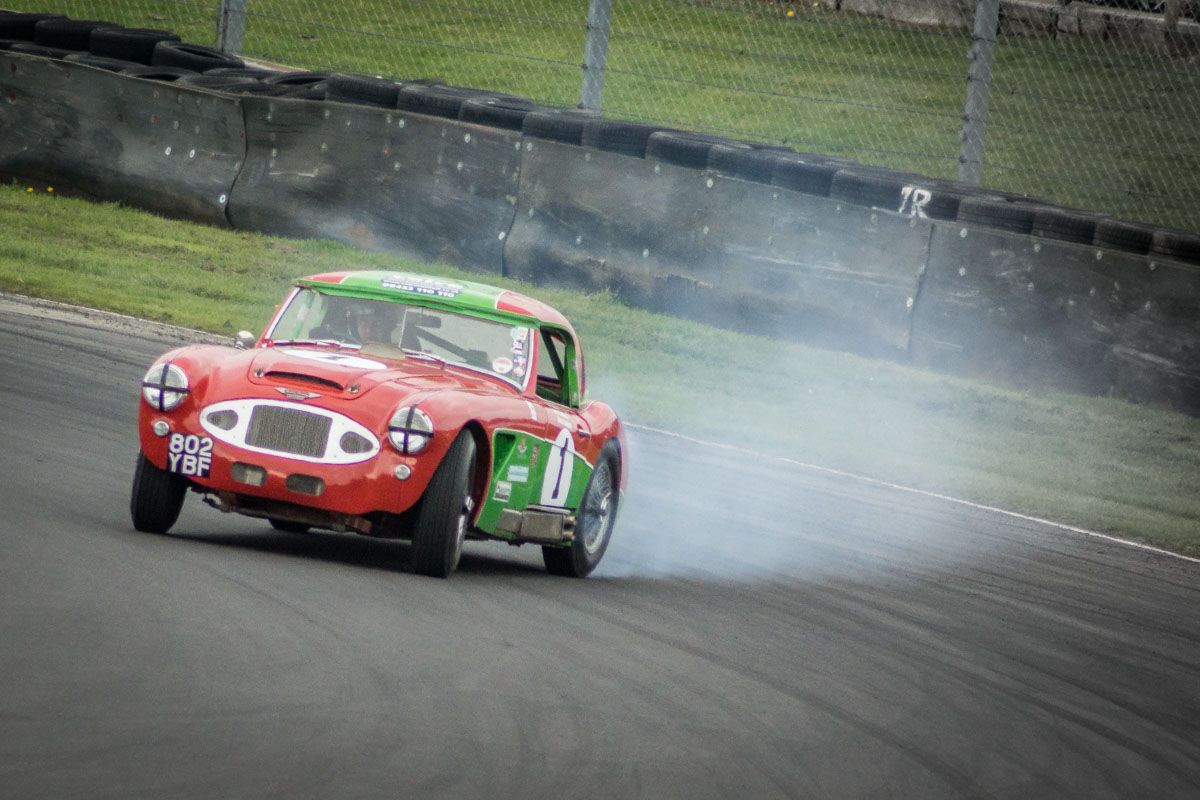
(156, 498)
(445, 512)
(596, 517)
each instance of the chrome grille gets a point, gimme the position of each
(288, 430)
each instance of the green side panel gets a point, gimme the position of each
(519, 470)
(579, 480)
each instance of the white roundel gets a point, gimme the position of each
(556, 484)
(336, 359)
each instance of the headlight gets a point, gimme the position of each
(410, 430)
(164, 386)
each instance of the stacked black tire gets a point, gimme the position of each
(160, 55)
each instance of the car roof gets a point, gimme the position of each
(467, 297)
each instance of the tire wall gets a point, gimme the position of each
(837, 266)
(695, 243)
(1033, 311)
(427, 187)
(118, 138)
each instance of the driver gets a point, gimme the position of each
(371, 322)
(356, 322)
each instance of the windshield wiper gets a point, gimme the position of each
(426, 356)
(318, 343)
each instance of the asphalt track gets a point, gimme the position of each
(756, 631)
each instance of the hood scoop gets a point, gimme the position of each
(299, 377)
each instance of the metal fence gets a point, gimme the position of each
(1090, 106)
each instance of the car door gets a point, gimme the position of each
(564, 470)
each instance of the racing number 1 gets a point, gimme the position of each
(557, 481)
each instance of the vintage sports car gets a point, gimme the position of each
(393, 405)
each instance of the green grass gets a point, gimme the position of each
(1083, 122)
(1104, 464)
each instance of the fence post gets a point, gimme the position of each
(231, 26)
(979, 79)
(595, 54)
(1171, 16)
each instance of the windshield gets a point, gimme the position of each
(395, 330)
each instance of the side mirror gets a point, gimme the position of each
(244, 340)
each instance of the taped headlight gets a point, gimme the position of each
(410, 430)
(352, 443)
(225, 418)
(164, 386)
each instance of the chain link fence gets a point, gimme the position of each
(1091, 106)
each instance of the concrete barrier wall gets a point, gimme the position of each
(719, 249)
(864, 270)
(1076, 317)
(430, 188)
(130, 140)
(993, 306)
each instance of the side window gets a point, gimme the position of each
(558, 368)
(551, 367)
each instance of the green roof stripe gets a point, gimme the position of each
(467, 297)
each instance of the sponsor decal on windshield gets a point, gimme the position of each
(520, 337)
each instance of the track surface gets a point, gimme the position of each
(758, 631)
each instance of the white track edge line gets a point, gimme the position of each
(913, 490)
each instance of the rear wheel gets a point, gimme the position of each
(445, 512)
(156, 498)
(595, 520)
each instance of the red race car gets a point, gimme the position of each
(392, 405)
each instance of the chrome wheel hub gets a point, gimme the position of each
(460, 532)
(596, 513)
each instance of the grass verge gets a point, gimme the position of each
(1104, 464)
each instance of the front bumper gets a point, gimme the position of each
(346, 489)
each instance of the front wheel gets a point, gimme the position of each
(157, 497)
(594, 523)
(445, 512)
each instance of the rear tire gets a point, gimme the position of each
(445, 512)
(596, 517)
(156, 499)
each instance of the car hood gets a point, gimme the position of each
(349, 375)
